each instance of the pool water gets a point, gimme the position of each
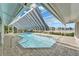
(29, 40)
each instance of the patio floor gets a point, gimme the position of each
(11, 48)
(0, 50)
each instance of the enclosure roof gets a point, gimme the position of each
(32, 19)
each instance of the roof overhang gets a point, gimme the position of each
(65, 12)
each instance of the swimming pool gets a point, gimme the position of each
(29, 40)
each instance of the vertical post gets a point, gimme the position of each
(8, 29)
(2, 36)
(76, 36)
(64, 29)
(76, 31)
(12, 29)
(61, 30)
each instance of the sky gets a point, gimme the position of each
(51, 20)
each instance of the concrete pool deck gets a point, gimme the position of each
(11, 48)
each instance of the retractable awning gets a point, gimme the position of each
(32, 19)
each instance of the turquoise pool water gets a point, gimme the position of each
(29, 40)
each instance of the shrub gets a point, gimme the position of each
(63, 34)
